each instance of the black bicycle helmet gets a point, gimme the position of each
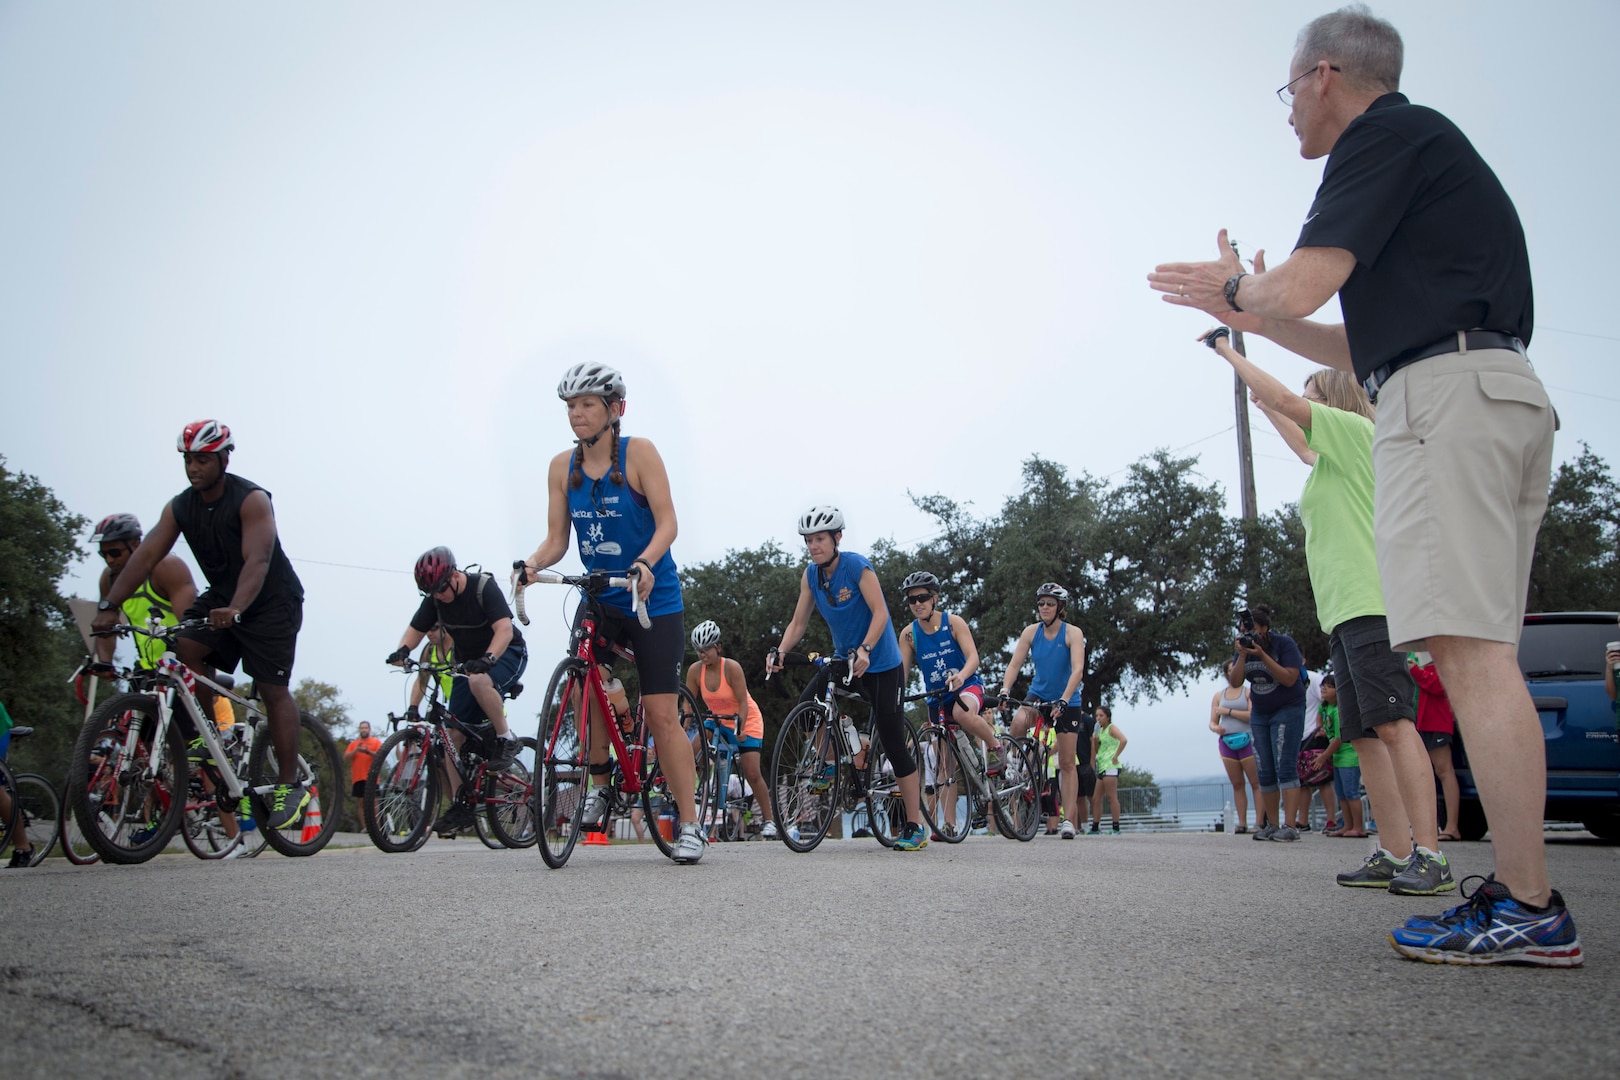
(115, 527)
(920, 579)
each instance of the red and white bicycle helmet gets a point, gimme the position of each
(821, 519)
(205, 437)
(115, 527)
(589, 379)
(433, 569)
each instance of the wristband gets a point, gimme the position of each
(645, 563)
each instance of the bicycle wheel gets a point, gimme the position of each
(949, 816)
(884, 806)
(36, 811)
(202, 829)
(128, 795)
(75, 848)
(655, 793)
(319, 769)
(1015, 795)
(563, 755)
(509, 799)
(805, 800)
(402, 793)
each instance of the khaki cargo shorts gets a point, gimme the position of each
(1462, 455)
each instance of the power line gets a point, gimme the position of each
(1582, 393)
(1579, 333)
(350, 566)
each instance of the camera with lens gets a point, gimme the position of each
(1246, 636)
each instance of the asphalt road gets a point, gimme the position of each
(1173, 955)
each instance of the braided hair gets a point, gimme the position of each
(576, 467)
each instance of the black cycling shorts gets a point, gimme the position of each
(263, 642)
(659, 649)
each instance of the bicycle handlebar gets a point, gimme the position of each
(593, 584)
(167, 633)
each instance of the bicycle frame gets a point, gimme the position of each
(629, 755)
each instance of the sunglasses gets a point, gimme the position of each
(1046, 603)
(919, 598)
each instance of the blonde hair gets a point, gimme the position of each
(1340, 390)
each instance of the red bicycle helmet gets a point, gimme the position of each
(433, 569)
(205, 437)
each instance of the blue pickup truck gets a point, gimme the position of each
(1561, 655)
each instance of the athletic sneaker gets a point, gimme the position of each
(1493, 928)
(197, 751)
(20, 860)
(1376, 873)
(1094, 830)
(823, 782)
(286, 802)
(913, 838)
(1114, 831)
(595, 808)
(240, 851)
(1285, 835)
(1424, 875)
(506, 749)
(769, 831)
(689, 848)
(1066, 830)
(1265, 832)
(456, 819)
(143, 834)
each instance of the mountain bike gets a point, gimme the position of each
(814, 776)
(35, 808)
(563, 755)
(1012, 794)
(128, 780)
(202, 828)
(403, 785)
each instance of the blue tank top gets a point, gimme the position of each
(613, 524)
(938, 653)
(1053, 665)
(848, 616)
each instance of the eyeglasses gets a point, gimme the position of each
(1286, 94)
(919, 598)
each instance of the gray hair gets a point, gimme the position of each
(1366, 48)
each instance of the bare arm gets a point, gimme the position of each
(1215, 713)
(1120, 735)
(872, 593)
(963, 636)
(644, 469)
(258, 544)
(739, 688)
(502, 637)
(908, 654)
(1077, 662)
(172, 580)
(1292, 434)
(157, 544)
(555, 545)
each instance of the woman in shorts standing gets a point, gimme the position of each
(1107, 744)
(1229, 720)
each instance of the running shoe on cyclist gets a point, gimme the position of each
(912, 839)
(286, 803)
(690, 846)
(459, 818)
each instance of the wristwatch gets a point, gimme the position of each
(864, 645)
(106, 605)
(1231, 288)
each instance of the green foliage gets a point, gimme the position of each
(1146, 797)
(325, 703)
(1577, 561)
(39, 646)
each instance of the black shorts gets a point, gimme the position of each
(359, 789)
(659, 649)
(1073, 720)
(1049, 797)
(263, 642)
(1088, 780)
(1375, 686)
(1434, 740)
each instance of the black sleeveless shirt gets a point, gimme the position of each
(214, 533)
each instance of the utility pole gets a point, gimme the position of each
(1240, 402)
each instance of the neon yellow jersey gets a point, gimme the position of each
(139, 610)
(1107, 749)
(1049, 738)
(435, 657)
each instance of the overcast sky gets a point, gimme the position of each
(825, 243)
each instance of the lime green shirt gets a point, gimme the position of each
(1345, 756)
(1107, 749)
(1336, 509)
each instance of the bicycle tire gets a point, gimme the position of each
(127, 821)
(509, 800)
(75, 848)
(798, 763)
(481, 829)
(885, 808)
(402, 793)
(204, 832)
(655, 786)
(563, 755)
(39, 810)
(950, 783)
(318, 766)
(1015, 795)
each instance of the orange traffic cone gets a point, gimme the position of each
(312, 817)
(598, 838)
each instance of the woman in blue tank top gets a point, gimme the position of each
(845, 589)
(1059, 652)
(614, 492)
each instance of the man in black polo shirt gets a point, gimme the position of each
(1415, 233)
(254, 604)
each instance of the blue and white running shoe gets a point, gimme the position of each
(1492, 928)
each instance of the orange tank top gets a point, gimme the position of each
(722, 702)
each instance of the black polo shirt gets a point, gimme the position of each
(1438, 244)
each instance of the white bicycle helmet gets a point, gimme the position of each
(205, 437)
(920, 579)
(586, 379)
(706, 635)
(1052, 588)
(821, 519)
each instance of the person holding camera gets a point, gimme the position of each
(1271, 664)
(1330, 427)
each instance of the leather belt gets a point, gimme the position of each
(1461, 341)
